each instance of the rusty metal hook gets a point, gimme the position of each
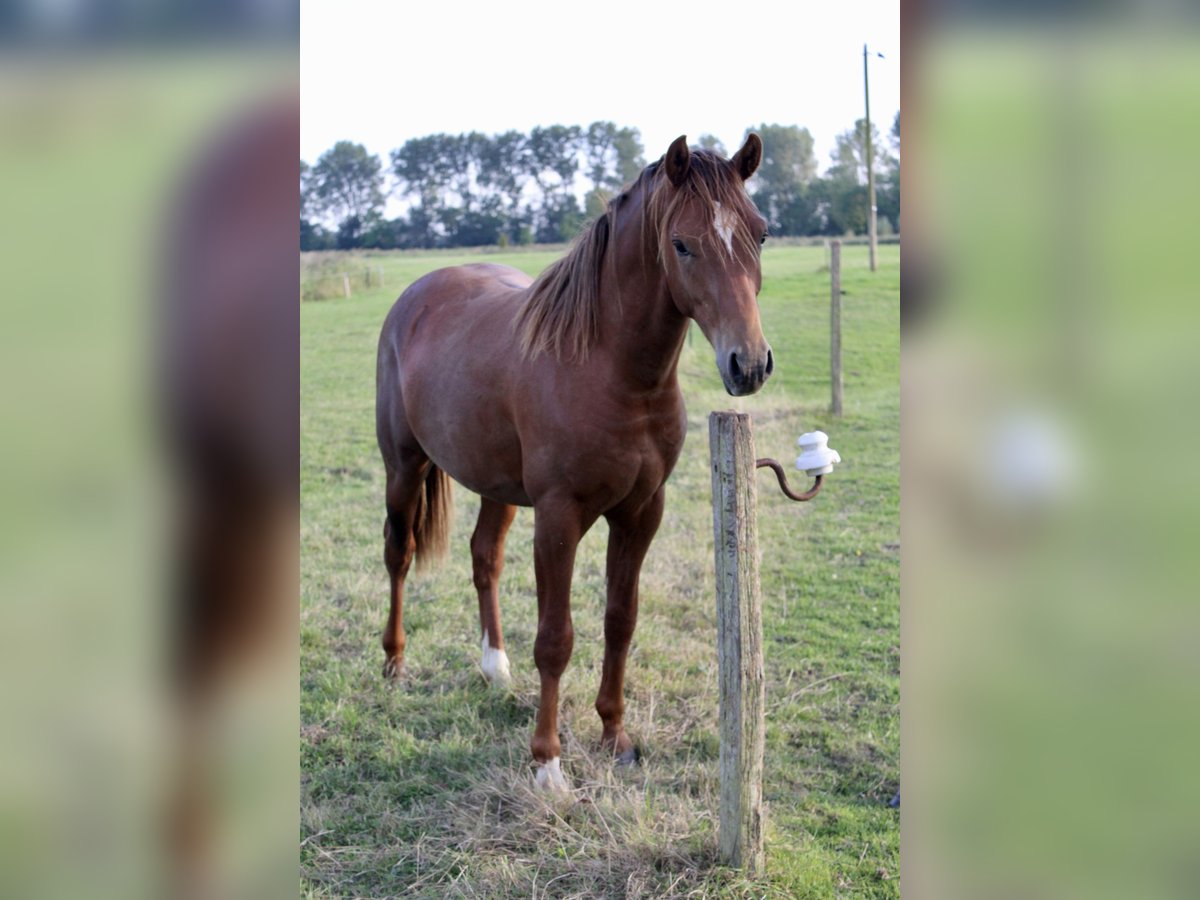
(769, 463)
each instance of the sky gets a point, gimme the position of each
(379, 73)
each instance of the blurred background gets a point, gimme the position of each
(1050, 626)
(1049, 380)
(148, 397)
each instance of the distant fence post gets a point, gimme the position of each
(835, 327)
(346, 284)
(739, 640)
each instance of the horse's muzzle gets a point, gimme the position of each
(745, 373)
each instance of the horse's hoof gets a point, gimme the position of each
(630, 757)
(501, 683)
(393, 670)
(549, 777)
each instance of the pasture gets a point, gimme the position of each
(425, 789)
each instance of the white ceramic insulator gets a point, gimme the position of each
(816, 456)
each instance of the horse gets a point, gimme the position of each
(561, 393)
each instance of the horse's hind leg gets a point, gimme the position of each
(404, 486)
(487, 558)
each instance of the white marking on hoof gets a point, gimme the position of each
(495, 663)
(549, 777)
(723, 222)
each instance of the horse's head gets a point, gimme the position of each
(709, 236)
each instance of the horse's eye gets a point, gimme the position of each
(762, 240)
(680, 248)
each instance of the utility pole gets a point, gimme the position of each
(870, 163)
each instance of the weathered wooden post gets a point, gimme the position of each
(835, 327)
(740, 679)
(346, 284)
(739, 639)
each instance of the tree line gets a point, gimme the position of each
(474, 189)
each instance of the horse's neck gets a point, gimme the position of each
(639, 320)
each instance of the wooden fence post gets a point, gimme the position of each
(346, 284)
(739, 640)
(835, 327)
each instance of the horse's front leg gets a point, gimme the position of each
(629, 537)
(558, 526)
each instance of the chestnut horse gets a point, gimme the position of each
(561, 393)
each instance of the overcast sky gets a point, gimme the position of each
(381, 72)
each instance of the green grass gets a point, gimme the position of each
(426, 790)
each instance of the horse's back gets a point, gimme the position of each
(467, 284)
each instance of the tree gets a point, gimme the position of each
(711, 142)
(308, 199)
(614, 156)
(312, 236)
(595, 202)
(788, 167)
(347, 181)
(561, 218)
(850, 153)
(599, 141)
(468, 189)
(800, 213)
(502, 169)
(348, 233)
(380, 234)
(845, 206)
(419, 229)
(414, 165)
(424, 171)
(552, 156)
(627, 144)
(551, 159)
(479, 227)
(847, 178)
(788, 157)
(888, 189)
(461, 158)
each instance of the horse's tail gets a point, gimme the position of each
(431, 526)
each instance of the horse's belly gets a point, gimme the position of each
(476, 448)
(508, 492)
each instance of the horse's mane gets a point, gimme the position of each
(561, 314)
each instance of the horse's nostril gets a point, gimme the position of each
(735, 371)
(770, 362)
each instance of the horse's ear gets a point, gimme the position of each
(747, 159)
(677, 161)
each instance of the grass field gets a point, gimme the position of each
(426, 789)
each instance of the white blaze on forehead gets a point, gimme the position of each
(723, 222)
